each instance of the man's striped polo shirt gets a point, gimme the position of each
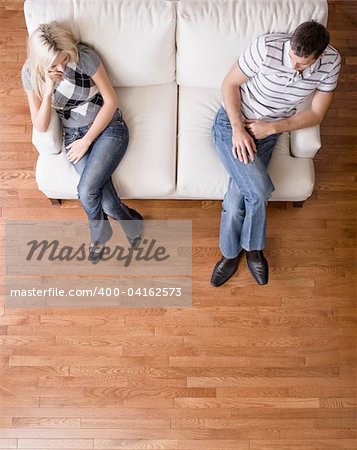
(275, 89)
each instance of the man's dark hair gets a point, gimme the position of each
(309, 39)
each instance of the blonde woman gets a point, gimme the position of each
(62, 73)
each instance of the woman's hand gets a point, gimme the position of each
(78, 149)
(51, 77)
(242, 145)
(259, 128)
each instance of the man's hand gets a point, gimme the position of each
(77, 150)
(242, 145)
(259, 128)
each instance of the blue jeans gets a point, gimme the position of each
(243, 217)
(95, 188)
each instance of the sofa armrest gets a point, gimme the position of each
(305, 143)
(49, 142)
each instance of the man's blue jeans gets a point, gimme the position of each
(95, 188)
(243, 217)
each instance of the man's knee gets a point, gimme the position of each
(257, 186)
(260, 194)
(234, 209)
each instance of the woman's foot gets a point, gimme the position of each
(95, 252)
(134, 242)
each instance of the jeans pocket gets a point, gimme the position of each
(70, 137)
(216, 134)
(117, 129)
(223, 122)
(117, 122)
(117, 118)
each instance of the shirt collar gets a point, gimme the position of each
(286, 57)
(287, 63)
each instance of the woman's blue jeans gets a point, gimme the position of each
(95, 188)
(243, 216)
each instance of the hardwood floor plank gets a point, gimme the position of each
(8, 443)
(321, 444)
(51, 443)
(126, 423)
(118, 444)
(227, 444)
(267, 424)
(339, 434)
(45, 422)
(247, 403)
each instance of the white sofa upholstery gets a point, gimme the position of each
(166, 60)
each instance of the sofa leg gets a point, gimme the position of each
(56, 201)
(298, 204)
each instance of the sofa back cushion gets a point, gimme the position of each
(211, 34)
(136, 39)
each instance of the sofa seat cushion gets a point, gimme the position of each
(148, 167)
(200, 171)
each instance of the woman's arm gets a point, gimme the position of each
(40, 111)
(110, 103)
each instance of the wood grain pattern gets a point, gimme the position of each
(247, 367)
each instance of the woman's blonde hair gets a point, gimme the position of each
(43, 46)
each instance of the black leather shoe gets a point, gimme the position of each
(258, 266)
(224, 270)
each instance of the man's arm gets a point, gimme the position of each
(242, 143)
(309, 118)
(304, 119)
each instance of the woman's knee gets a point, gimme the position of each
(88, 194)
(109, 209)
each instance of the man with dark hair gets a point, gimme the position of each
(309, 39)
(260, 98)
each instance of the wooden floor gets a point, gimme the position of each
(248, 367)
